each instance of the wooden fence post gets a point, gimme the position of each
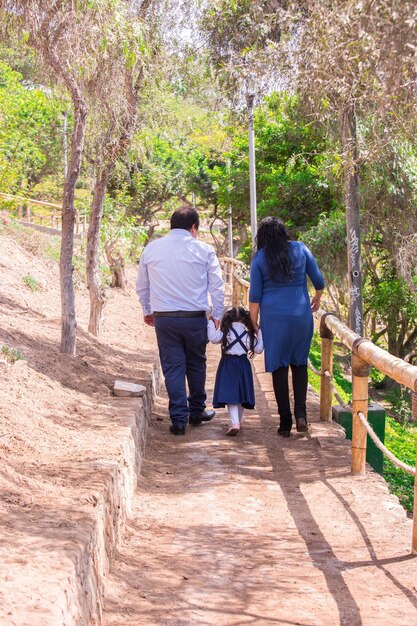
(246, 297)
(326, 392)
(360, 373)
(235, 295)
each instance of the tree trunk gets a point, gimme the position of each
(95, 288)
(350, 149)
(68, 321)
(117, 267)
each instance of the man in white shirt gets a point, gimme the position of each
(175, 275)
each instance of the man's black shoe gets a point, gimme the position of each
(177, 430)
(283, 433)
(205, 416)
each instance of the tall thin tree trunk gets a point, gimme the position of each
(43, 43)
(115, 150)
(350, 149)
(96, 291)
(68, 321)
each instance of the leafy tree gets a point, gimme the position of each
(347, 71)
(30, 146)
(120, 236)
(124, 55)
(66, 38)
(291, 168)
(171, 157)
(391, 303)
(327, 239)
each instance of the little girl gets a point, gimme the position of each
(234, 380)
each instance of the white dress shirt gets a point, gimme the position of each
(216, 336)
(177, 272)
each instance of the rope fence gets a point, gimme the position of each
(338, 397)
(380, 446)
(369, 429)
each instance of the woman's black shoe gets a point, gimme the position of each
(283, 433)
(302, 426)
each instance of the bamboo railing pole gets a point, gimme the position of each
(326, 392)
(414, 536)
(414, 406)
(360, 372)
(392, 366)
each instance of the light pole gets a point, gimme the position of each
(229, 214)
(250, 98)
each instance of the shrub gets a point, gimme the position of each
(31, 282)
(11, 355)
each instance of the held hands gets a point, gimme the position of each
(216, 323)
(149, 320)
(315, 303)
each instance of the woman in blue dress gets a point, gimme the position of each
(278, 290)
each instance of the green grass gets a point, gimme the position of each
(342, 385)
(53, 248)
(11, 355)
(400, 439)
(31, 282)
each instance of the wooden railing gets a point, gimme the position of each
(52, 220)
(232, 272)
(364, 354)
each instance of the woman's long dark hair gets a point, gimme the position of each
(238, 314)
(273, 238)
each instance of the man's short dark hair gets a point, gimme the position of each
(185, 217)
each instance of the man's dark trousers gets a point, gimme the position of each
(182, 345)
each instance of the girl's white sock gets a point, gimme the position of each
(240, 409)
(234, 414)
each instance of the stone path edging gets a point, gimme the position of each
(67, 588)
(114, 505)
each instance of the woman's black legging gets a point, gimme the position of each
(282, 394)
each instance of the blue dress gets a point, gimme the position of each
(234, 379)
(285, 312)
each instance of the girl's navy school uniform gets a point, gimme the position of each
(234, 379)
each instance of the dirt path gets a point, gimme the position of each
(260, 530)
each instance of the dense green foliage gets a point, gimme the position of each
(30, 133)
(291, 167)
